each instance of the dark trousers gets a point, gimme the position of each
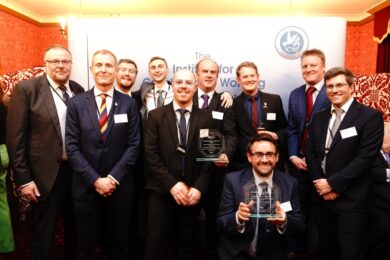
(171, 228)
(341, 234)
(44, 216)
(109, 216)
(378, 232)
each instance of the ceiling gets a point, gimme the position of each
(46, 11)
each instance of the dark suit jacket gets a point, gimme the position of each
(381, 187)
(297, 116)
(145, 87)
(245, 129)
(349, 160)
(92, 158)
(33, 133)
(234, 242)
(164, 161)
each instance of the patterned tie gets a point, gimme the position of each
(255, 115)
(335, 126)
(309, 109)
(183, 127)
(65, 95)
(160, 99)
(206, 101)
(263, 245)
(103, 116)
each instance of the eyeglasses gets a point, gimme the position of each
(123, 70)
(337, 86)
(260, 155)
(58, 62)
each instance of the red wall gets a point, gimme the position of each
(22, 43)
(360, 49)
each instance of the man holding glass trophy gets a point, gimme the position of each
(259, 206)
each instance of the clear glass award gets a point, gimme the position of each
(262, 207)
(211, 144)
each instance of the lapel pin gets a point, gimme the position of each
(265, 105)
(116, 104)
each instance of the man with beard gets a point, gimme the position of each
(245, 237)
(102, 140)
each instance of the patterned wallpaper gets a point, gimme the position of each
(22, 43)
(360, 49)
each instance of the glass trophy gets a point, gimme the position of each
(211, 144)
(261, 208)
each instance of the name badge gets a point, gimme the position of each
(286, 206)
(348, 132)
(271, 116)
(120, 118)
(217, 115)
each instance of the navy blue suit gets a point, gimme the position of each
(92, 158)
(234, 243)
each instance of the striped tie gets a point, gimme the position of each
(103, 117)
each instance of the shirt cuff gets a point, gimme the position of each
(282, 228)
(293, 156)
(240, 226)
(24, 185)
(387, 175)
(112, 178)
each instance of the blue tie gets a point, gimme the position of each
(183, 127)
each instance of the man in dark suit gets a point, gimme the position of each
(35, 142)
(102, 140)
(244, 237)
(378, 232)
(175, 181)
(344, 141)
(256, 112)
(222, 119)
(304, 102)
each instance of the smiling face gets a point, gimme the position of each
(184, 87)
(338, 90)
(58, 65)
(248, 79)
(158, 70)
(207, 75)
(262, 164)
(103, 69)
(313, 69)
(126, 75)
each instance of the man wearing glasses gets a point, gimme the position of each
(246, 237)
(35, 141)
(344, 142)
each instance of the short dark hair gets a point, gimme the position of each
(262, 138)
(129, 61)
(158, 58)
(334, 72)
(314, 52)
(248, 64)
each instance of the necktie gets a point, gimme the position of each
(255, 116)
(183, 127)
(103, 116)
(309, 109)
(335, 126)
(262, 248)
(160, 99)
(65, 95)
(387, 157)
(206, 101)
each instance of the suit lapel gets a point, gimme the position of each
(301, 103)
(48, 98)
(242, 112)
(93, 111)
(195, 99)
(321, 99)
(246, 177)
(214, 103)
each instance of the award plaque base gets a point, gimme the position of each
(254, 215)
(209, 160)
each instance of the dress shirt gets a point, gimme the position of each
(318, 87)
(178, 115)
(201, 100)
(387, 169)
(109, 93)
(151, 97)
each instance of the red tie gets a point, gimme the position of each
(309, 108)
(255, 116)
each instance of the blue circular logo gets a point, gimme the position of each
(291, 42)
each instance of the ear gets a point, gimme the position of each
(248, 155)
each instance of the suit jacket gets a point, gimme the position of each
(145, 87)
(271, 103)
(297, 116)
(92, 158)
(349, 160)
(381, 186)
(232, 241)
(164, 161)
(33, 133)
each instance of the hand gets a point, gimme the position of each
(222, 161)
(227, 99)
(331, 196)
(322, 186)
(193, 196)
(180, 193)
(105, 186)
(274, 135)
(278, 220)
(244, 212)
(30, 192)
(300, 163)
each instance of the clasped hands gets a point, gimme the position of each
(324, 189)
(244, 212)
(105, 186)
(184, 195)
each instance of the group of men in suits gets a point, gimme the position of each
(103, 135)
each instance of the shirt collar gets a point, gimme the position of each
(201, 92)
(56, 85)
(176, 106)
(165, 87)
(97, 92)
(260, 179)
(119, 90)
(317, 86)
(344, 107)
(257, 96)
